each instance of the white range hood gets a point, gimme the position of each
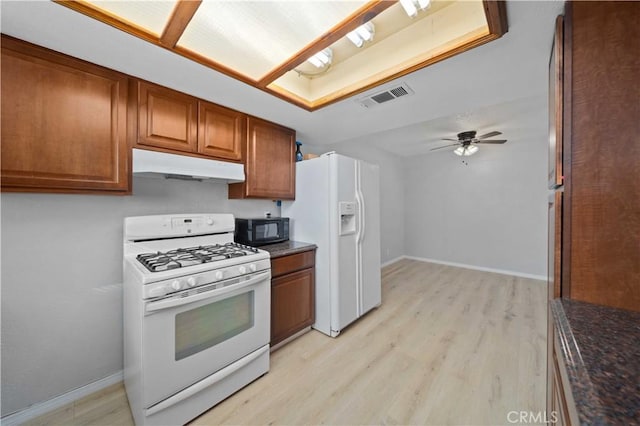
(162, 164)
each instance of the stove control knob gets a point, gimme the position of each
(209, 221)
(252, 267)
(242, 269)
(191, 282)
(176, 285)
(219, 275)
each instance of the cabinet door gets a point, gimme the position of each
(554, 255)
(63, 123)
(292, 304)
(221, 131)
(166, 118)
(556, 85)
(269, 162)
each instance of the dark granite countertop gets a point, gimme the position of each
(286, 248)
(601, 350)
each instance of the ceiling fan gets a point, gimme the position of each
(467, 142)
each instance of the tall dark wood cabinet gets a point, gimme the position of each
(594, 168)
(600, 215)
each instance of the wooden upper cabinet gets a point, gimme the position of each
(63, 123)
(269, 162)
(221, 131)
(166, 118)
(556, 103)
(174, 121)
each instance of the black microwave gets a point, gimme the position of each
(260, 231)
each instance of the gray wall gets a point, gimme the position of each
(391, 192)
(62, 280)
(491, 213)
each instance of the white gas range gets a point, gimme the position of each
(196, 315)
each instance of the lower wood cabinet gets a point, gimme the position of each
(561, 409)
(292, 294)
(64, 123)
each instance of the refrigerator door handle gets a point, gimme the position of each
(360, 237)
(361, 210)
(360, 206)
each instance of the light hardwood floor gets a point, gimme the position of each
(447, 346)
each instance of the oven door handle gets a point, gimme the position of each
(180, 301)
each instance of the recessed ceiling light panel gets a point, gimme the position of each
(151, 16)
(255, 37)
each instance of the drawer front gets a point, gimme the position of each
(294, 262)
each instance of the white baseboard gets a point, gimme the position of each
(479, 268)
(389, 262)
(41, 408)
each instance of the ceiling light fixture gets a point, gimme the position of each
(362, 34)
(466, 150)
(322, 58)
(413, 6)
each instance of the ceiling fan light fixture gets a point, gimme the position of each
(466, 150)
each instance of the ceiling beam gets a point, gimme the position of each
(178, 21)
(359, 17)
(496, 13)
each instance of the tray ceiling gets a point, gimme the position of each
(267, 44)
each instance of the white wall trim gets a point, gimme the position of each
(479, 268)
(41, 408)
(389, 262)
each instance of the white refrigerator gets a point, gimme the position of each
(337, 207)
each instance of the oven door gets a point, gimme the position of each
(189, 337)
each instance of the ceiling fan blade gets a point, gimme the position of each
(446, 146)
(489, 135)
(449, 139)
(495, 141)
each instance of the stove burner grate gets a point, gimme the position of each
(181, 257)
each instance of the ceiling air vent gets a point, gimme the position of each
(385, 96)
